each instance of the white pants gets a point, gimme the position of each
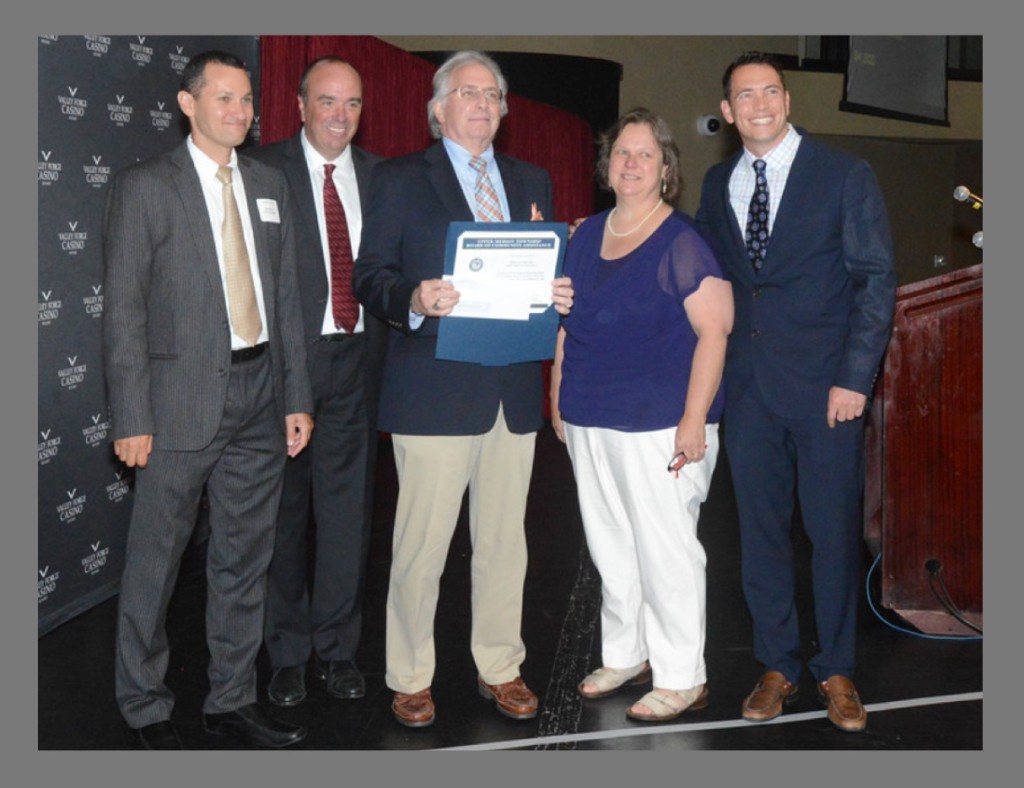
(641, 526)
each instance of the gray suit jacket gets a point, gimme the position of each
(166, 342)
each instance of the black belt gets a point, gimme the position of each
(248, 353)
(339, 337)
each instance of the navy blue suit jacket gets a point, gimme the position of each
(819, 312)
(413, 199)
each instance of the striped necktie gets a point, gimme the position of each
(242, 308)
(488, 209)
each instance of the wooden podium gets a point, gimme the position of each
(923, 484)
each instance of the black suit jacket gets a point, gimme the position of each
(413, 199)
(289, 157)
(820, 310)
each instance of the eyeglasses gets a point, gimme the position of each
(473, 93)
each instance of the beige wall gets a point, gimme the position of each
(679, 77)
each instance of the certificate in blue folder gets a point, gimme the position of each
(503, 272)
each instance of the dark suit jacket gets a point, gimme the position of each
(819, 312)
(166, 341)
(289, 157)
(413, 199)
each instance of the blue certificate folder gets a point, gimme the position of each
(494, 342)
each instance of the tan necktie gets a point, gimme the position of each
(245, 314)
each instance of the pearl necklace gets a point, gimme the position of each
(608, 221)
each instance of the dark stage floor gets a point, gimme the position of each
(921, 693)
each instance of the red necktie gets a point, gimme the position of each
(343, 302)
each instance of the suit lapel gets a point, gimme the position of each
(186, 179)
(737, 246)
(801, 176)
(515, 193)
(445, 183)
(255, 189)
(362, 167)
(296, 170)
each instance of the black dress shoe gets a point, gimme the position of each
(253, 724)
(288, 686)
(159, 736)
(343, 678)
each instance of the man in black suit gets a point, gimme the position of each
(321, 617)
(802, 233)
(207, 385)
(453, 424)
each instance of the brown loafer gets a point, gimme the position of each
(845, 710)
(513, 698)
(765, 702)
(414, 710)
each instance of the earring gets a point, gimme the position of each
(664, 186)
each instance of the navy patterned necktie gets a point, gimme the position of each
(757, 218)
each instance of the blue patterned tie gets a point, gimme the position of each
(757, 218)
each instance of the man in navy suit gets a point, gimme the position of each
(453, 424)
(205, 396)
(332, 482)
(813, 316)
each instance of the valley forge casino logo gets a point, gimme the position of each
(73, 241)
(93, 304)
(96, 559)
(72, 106)
(47, 582)
(73, 374)
(69, 510)
(49, 308)
(48, 172)
(49, 446)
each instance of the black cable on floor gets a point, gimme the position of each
(904, 630)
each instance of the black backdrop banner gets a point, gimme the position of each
(105, 102)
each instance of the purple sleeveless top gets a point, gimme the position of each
(629, 345)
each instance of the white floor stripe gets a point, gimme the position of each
(658, 730)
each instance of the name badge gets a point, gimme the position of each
(268, 210)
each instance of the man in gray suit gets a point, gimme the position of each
(202, 302)
(330, 484)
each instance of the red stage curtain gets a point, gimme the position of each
(396, 89)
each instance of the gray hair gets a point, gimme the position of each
(442, 78)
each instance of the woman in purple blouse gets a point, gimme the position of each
(635, 387)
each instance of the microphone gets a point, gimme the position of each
(963, 194)
(976, 239)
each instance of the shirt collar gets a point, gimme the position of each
(316, 160)
(781, 154)
(206, 166)
(460, 156)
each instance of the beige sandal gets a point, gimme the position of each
(668, 705)
(611, 680)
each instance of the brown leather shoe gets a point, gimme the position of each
(414, 710)
(765, 702)
(513, 698)
(845, 710)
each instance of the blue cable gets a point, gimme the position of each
(867, 591)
